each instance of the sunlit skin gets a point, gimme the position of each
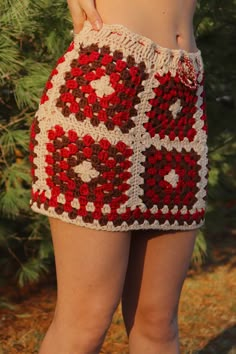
(167, 22)
(145, 269)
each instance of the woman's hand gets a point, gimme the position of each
(81, 10)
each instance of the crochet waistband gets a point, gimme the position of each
(142, 45)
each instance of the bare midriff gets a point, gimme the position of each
(166, 22)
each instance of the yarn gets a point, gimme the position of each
(119, 141)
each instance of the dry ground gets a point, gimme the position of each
(207, 313)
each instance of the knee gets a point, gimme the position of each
(86, 329)
(94, 326)
(156, 324)
(91, 332)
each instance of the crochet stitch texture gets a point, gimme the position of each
(119, 141)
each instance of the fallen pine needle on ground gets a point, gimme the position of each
(207, 311)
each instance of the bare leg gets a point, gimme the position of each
(91, 267)
(157, 268)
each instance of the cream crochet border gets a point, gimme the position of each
(156, 58)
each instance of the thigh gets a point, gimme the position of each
(90, 266)
(157, 267)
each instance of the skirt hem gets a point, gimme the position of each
(123, 227)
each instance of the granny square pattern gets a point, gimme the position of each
(119, 140)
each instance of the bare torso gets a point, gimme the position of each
(166, 22)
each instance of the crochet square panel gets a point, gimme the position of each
(83, 177)
(119, 141)
(103, 87)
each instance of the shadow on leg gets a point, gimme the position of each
(157, 268)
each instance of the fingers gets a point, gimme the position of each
(77, 14)
(92, 14)
(81, 10)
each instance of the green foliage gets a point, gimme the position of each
(30, 271)
(33, 35)
(215, 26)
(200, 250)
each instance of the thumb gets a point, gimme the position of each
(77, 14)
(95, 20)
(92, 14)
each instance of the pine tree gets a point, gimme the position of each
(216, 32)
(33, 35)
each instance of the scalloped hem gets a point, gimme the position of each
(123, 227)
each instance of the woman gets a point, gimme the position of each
(119, 165)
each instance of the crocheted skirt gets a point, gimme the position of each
(119, 141)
